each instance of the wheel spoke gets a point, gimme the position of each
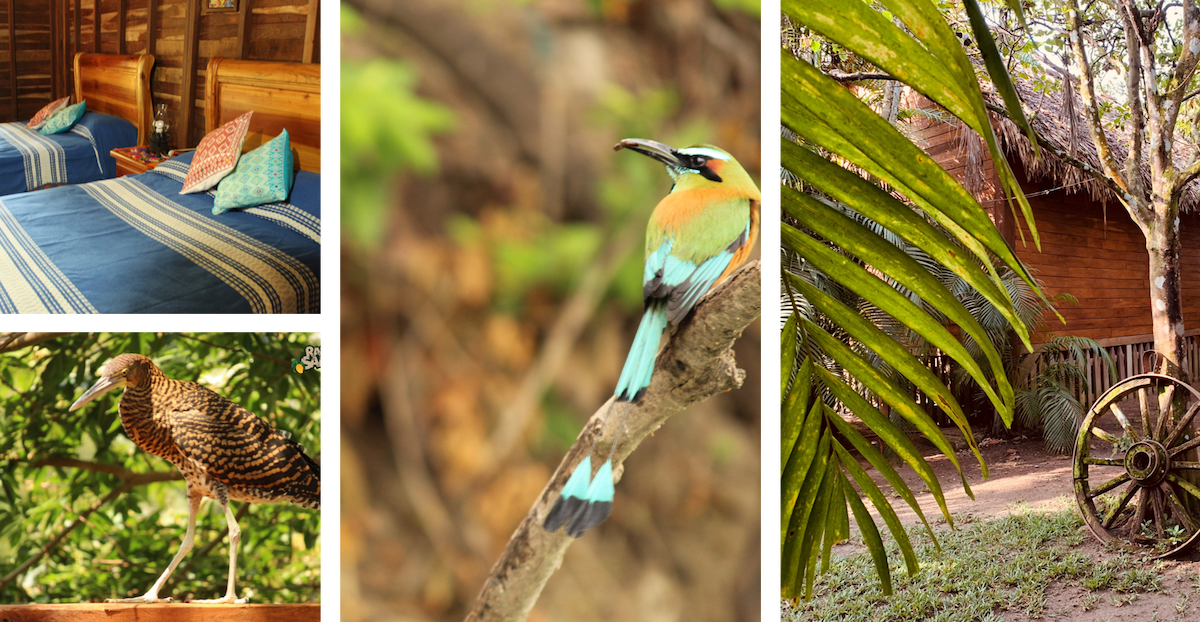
(1164, 410)
(1183, 424)
(1156, 503)
(1104, 461)
(1104, 435)
(1109, 485)
(1174, 451)
(1116, 511)
(1124, 421)
(1184, 485)
(1177, 508)
(1144, 405)
(1135, 530)
(1182, 464)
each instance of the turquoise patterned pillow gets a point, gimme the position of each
(62, 120)
(264, 175)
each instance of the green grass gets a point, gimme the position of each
(985, 568)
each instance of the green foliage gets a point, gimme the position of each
(985, 570)
(749, 7)
(521, 266)
(641, 114)
(856, 358)
(119, 549)
(539, 254)
(386, 129)
(1047, 398)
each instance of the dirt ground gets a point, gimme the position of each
(1024, 477)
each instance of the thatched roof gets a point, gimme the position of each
(1051, 115)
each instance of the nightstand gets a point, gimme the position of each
(133, 160)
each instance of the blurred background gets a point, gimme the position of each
(492, 261)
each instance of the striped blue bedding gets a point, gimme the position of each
(29, 160)
(135, 245)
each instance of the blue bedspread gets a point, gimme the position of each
(134, 245)
(29, 161)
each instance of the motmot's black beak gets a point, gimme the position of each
(679, 163)
(654, 149)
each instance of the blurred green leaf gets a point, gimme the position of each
(386, 129)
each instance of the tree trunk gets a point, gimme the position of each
(1166, 308)
(1166, 301)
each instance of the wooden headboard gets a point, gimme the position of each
(116, 84)
(282, 96)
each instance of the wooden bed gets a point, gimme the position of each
(116, 84)
(282, 96)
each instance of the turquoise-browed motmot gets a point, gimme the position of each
(699, 233)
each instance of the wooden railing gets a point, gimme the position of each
(1131, 356)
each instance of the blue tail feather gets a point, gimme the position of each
(583, 505)
(639, 364)
(597, 502)
(572, 497)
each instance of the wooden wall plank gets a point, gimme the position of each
(44, 36)
(1091, 251)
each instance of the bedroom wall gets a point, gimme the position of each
(181, 35)
(27, 88)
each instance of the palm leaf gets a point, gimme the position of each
(869, 261)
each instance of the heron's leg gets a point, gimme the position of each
(235, 537)
(194, 498)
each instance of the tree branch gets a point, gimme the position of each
(1133, 92)
(132, 478)
(1095, 126)
(10, 342)
(1086, 168)
(696, 364)
(841, 76)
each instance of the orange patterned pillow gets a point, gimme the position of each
(46, 112)
(217, 155)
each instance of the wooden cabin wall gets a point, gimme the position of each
(25, 54)
(1095, 254)
(179, 33)
(1099, 256)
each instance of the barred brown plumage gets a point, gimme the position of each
(224, 451)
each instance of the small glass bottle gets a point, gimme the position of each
(160, 136)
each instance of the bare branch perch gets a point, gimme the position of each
(696, 364)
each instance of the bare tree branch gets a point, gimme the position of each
(1095, 126)
(696, 364)
(841, 76)
(10, 342)
(132, 478)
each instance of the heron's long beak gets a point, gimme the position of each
(102, 386)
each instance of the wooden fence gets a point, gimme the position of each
(1130, 356)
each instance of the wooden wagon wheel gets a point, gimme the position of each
(1137, 474)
